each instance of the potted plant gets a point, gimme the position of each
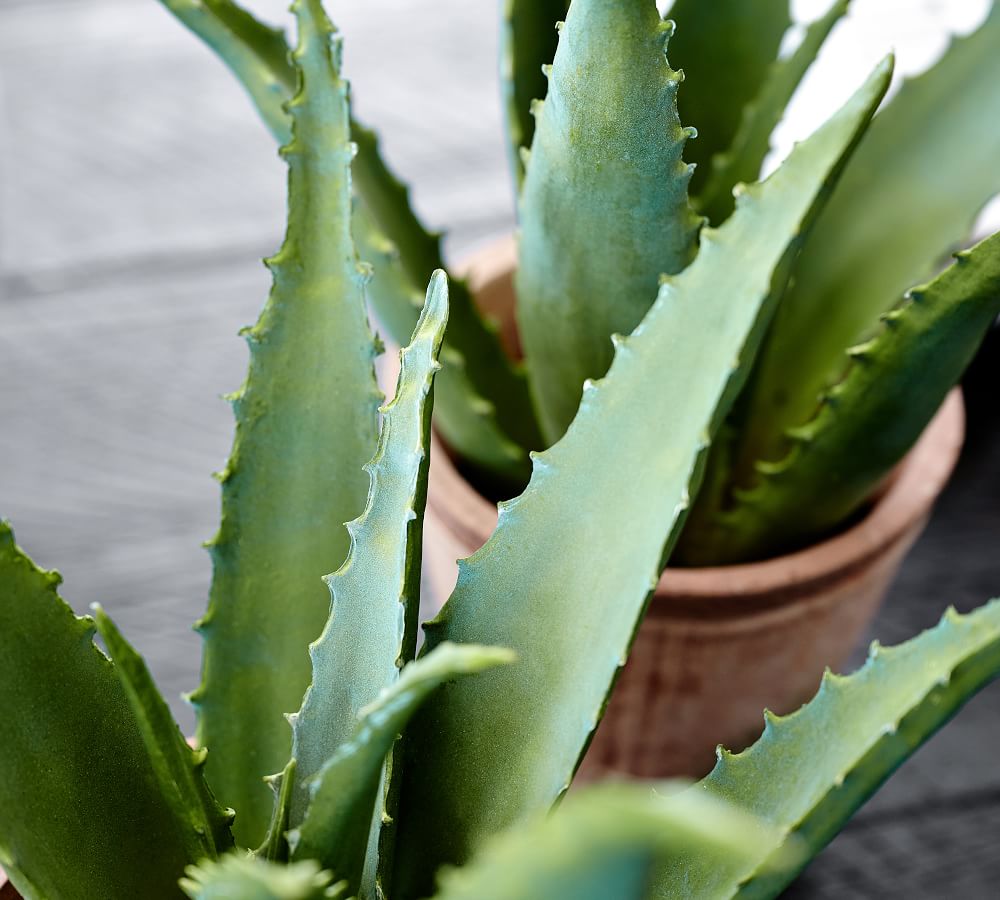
(394, 764)
(817, 482)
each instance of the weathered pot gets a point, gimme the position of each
(718, 645)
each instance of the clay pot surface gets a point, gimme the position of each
(718, 645)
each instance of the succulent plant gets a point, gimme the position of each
(397, 764)
(614, 193)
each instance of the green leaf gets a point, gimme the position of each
(484, 408)
(336, 827)
(927, 165)
(604, 207)
(602, 843)
(811, 770)
(177, 767)
(865, 423)
(372, 626)
(527, 43)
(82, 811)
(496, 750)
(725, 49)
(742, 161)
(306, 422)
(245, 878)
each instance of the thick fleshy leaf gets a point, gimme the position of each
(604, 207)
(372, 626)
(926, 166)
(602, 843)
(811, 770)
(506, 746)
(82, 811)
(528, 42)
(237, 877)
(336, 826)
(484, 410)
(306, 423)
(742, 161)
(178, 767)
(725, 49)
(865, 423)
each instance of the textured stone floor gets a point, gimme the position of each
(137, 194)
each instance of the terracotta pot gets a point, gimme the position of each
(718, 645)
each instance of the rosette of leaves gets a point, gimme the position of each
(403, 775)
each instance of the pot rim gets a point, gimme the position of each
(739, 590)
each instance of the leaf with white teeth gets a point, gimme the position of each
(812, 769)
(306, 423)
(604, 206)
(924, 170)
(863, 425)
(371, 630)
(539, 587)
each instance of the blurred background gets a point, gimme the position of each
(138, 193)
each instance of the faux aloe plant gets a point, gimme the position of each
(616, 191)
(407, 776)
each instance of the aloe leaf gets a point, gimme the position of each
(244, 878)
(926, 166)
(306, 422)
(343, 793)
(82, 811)
(372, 627)
(527, 43)
(604, 207)
(484, 407)
(602, 843)
(742, 161)
(539, 586)
(725, 49)
(178, 768)
(811, 770)
(865, 423)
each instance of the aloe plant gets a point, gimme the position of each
(614, 192)
(404, 774)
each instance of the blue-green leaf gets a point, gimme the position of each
(372, 626)
(506, 746)
(83, 813)
(604, 207)
(864, 424)
(178, 768)
(926, 166)
(335, 829)
(602, 843)
(811, 770)
(306, 423)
